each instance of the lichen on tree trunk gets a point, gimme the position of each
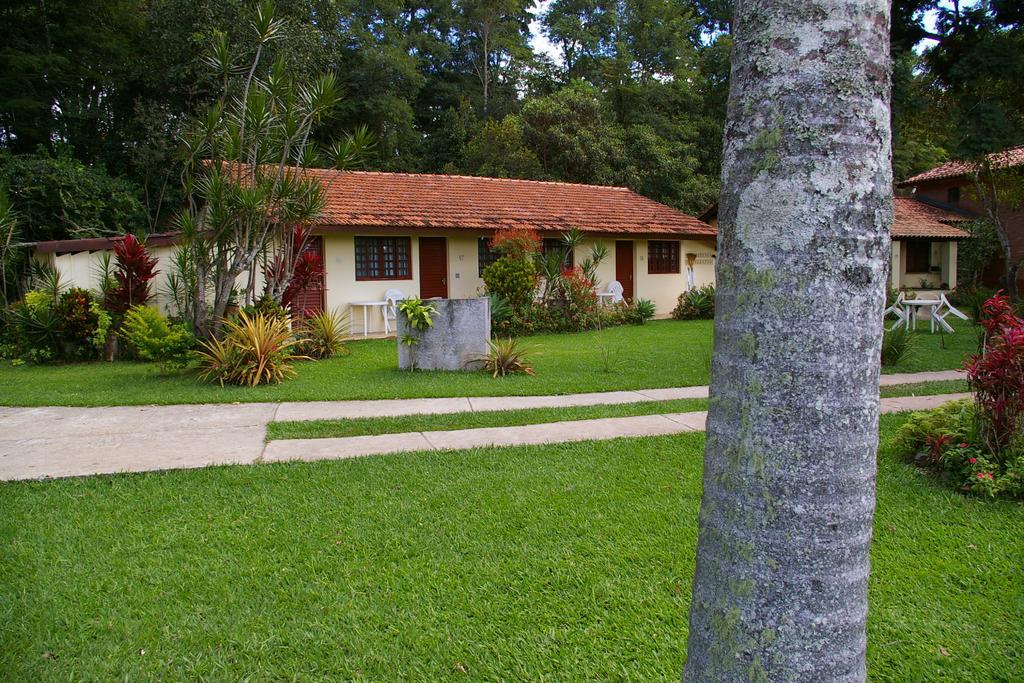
(780, 591)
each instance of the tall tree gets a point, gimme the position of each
(249, 197)
(780, 591)
(495, 32)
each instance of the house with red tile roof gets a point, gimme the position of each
(951, 187)
(924, 244)
(429, 236)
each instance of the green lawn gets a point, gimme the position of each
(554, 562)
(660, 354)
(947, 386)
(939, 351)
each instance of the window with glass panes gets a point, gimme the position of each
(485, 255)
(662, 256)
(383, 258)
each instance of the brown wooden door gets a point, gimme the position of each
(433, 267)
(310, 300)
(624, 267)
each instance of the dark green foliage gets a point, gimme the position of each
(58, 198)
(512, 279)
(539, 318)
(47, 326)
(31, 330)
(696, 304)
(500, 309)
(78, 320)
(108, 83)
(267, 306)
(976, 254)
(959, 94)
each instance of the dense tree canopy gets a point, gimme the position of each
(634, 93)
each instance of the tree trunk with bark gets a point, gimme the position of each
(780, 591)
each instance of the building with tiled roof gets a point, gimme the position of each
(1008, 158)
(950, 187)
(924, 243)
(429, 236)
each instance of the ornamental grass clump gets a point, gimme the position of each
(325, 334)
(506, 357)
(255, 350)
(897, 345)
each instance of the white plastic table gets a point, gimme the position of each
(919, 303)
(366, 306)
(605, 297)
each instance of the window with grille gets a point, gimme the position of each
(383, 258)
(485, 255)
(557, 245)
(662, 256)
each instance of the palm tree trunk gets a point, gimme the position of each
(780, 591)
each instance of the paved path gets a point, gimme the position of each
(524, 435)
(57, 442)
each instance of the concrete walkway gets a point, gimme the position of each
(526, 435)
(58, 442)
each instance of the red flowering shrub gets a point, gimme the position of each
(577, 294)
(134, 268)
(516, 243)
(996, 375)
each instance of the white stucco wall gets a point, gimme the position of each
(82, 269)
(342, 288)
(943, 255)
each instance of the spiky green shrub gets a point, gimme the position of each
(325, 333)
(255, 350)
(506, 357)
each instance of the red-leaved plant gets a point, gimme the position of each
(516, 243)
(133, 270)
(307, 271)
(996, 375)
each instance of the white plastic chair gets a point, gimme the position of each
(940, 312)
(391, 299)
(615, 289)
(900, 311)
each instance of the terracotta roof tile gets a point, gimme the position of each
(410, 201)
(953, 169)
(914, 218)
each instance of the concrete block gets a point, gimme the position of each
(456, 341)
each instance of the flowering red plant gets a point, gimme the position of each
(996, 375)
(134, 268)
(516, 243)
(577, 291)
